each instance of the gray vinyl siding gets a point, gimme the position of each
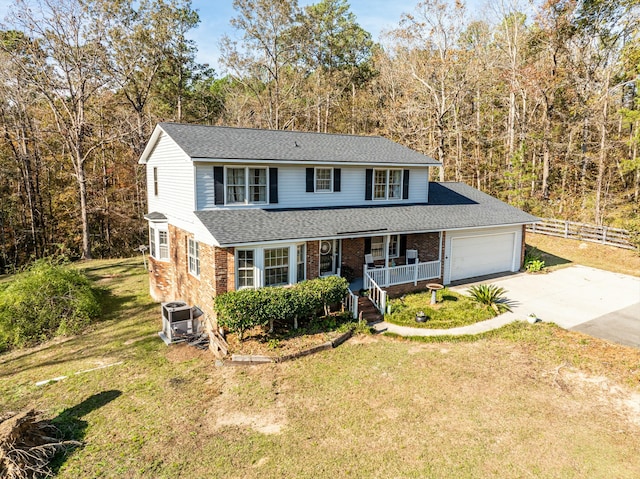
(292, 188)
(175, 180)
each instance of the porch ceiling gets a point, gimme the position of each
(451, 206)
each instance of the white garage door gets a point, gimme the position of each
(480, 255)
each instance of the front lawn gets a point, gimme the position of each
(451, 310)
(527, 401)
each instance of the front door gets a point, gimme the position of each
(329, 257)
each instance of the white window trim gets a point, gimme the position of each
(155, 181)
(158, 228)
(254, 268)
(259, 268)
(246, 185)
(304, 262)
(386, 185)
(195, 257)
(384, 246)
(315, 180)
(286, 265)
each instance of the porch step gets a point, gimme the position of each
(368, 310)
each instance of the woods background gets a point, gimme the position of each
(539, 109)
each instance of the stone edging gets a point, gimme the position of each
(247, 360)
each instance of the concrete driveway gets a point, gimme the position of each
(593, 301)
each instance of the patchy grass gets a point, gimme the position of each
(451, 310)
(526, 401)
(559, 252)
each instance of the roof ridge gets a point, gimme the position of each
(228, 127)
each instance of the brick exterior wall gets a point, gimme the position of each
(313, 259)
(171, 280)
(352, 257)
(427, 245)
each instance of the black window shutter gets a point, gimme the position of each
(367, 245)
(310, 175)
(405, 185)
(403, 245)
(273, 185)
(336, 179)
(218, 182)
(368, 187)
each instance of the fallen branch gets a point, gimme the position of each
(27, 445)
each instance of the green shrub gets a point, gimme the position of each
(489, 294)
(46, 300)
(239, 311)
(533, 262)
(534, 266)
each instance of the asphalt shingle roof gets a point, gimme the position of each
(451, 206)
(202, 141)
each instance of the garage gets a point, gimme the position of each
(482, 254)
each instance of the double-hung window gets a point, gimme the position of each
(387, 184)
(378, 246)
(246, 185)
(193, 254)
(276, 266)
(301, 253)
(246, 268)
(152, 241)
(163, 244)
(324, 180)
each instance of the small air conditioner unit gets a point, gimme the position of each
(178, 321)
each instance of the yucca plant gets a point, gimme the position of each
(489, 294)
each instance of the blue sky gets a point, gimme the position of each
(374, 16)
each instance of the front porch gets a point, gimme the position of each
(379, 281)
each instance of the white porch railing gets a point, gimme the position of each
(377, 295)
(351, 303)
(407, 273)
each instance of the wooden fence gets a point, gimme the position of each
(584, 232)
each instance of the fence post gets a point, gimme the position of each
(566, 229)
(604, 235)
(415, 273)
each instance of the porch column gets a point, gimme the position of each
(386, 260)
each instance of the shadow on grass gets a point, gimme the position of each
(71, 425)
(548, 258)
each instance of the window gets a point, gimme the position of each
(152, 241)
(257, 185)
(393, 246)
(324, 180)
(387, 184)
(159, 242)
(155, 181)
(246, 270)
(378, 246)
(276, 266)
(235, 185)
(246, 185)
(194, 257)
(301, 252)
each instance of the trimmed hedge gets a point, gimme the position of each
(239, 311)
(47, 300)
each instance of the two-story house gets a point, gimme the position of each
(233, 208)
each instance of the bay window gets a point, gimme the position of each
(246, 268)
(276, 266)
(159, 242)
